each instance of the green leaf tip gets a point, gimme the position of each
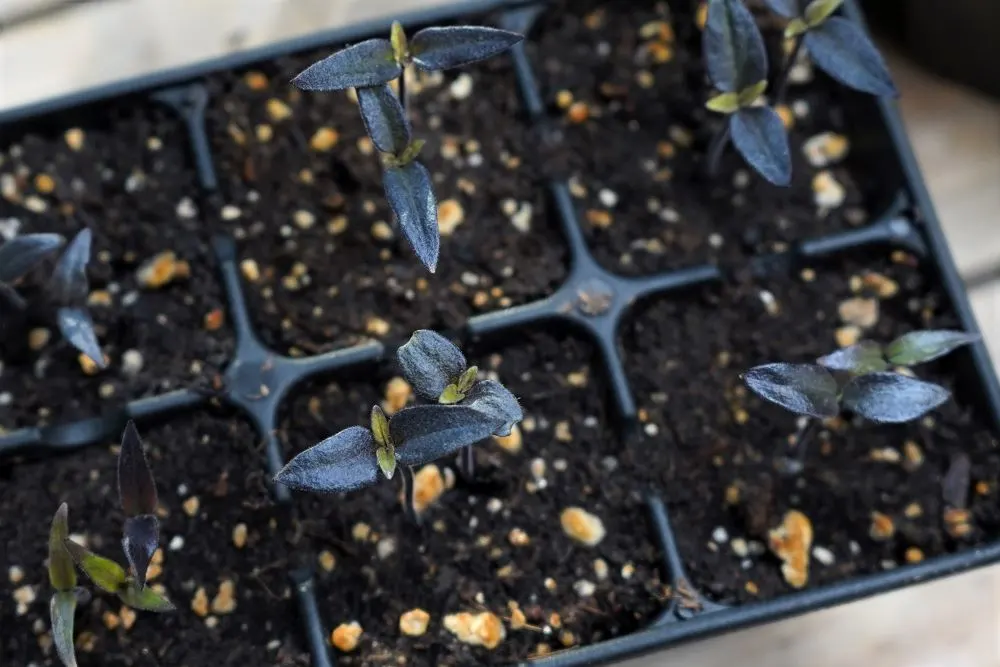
(62, 574)
(380, 427)
(106, 574)
(145, 598)
(397, 37)
(386, 458)
(818, 11)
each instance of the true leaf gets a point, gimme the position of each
(863, 357)
(818, 11)
(343, 462)
(77, 328)
(430, 362)
(62, 608)
(397, 37)
(454, 46)
(426, 433)
(62, 574)
(723, 103)
(451, 395)
(386, 458)
(22, 253)
(411, 197)
(380, 427)
(760, 137)
(918, 347)
(136, 486)
(140, 539)
(368, 63)
(69, 278)
(733, 46)
(106, 574)
(494, 400)
(786, 8)
(842, 50)
(384, 118)
(804, 389)
(751, 93)
(409, 153)
(144, 598)
(891, 398)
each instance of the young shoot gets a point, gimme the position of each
(368, 67)
(62, 577)
(860, 379)
(837, 46)
(137, 494)
(736, 60)
(69, 288)
(19, 256)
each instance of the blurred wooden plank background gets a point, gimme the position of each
(953, 623)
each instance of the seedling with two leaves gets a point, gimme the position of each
(859, 379)
(68, 286)
(137, 493)
(736, 59)
(466, 411)
(369, 67)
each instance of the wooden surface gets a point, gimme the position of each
(951, 623)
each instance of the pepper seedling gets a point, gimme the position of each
(859, 379)
(69, 288)
(369, 67)
(62, 577)
(836, 45)
(736, 60)
(19, 256)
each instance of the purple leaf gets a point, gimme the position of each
(136, 487)
(77, 328)
(863, 357)
(343, 462)
(733, 46)
(841, 49)
(890, 398)
(368, 63)
(426, 433)
(495, 401)
(804, 389)
(760, 137)
(454, 46)
(22, 253)
(411, 197)
(786, 8)
(69, 279)
(141, 537)
(430, 362)
(918, 347)
(384, 118)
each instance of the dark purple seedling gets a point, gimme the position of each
(137, 493)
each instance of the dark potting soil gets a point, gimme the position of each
(625, 88)
(720, 479)
(125, 180)
(463, 557)
(314, 218)
(214, 459)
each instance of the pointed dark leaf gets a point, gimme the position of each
(22, 253)
(342, 462)
(786, 8)
(890, 398)
(733, 46)
(411, 197)
(863, 357)
(918, 347)
(77, 328)
(69, 279)
(145, 598)
(136, 486)
(62, 574)
(804, 389)
(956, 481)
(495, 400)
(62, 609)
(368, 63)
(106, 574)
(430, 362)
(384, 118)
(760, 137)
(841, 49)
(426, 433)
(454, 46)
(141, 537)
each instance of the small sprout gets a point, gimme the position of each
(22, 253)
(70, 288)
(385, 452)
(804, 389)
(918, 347)
(62, 576)
(137, 494)
(860, 358)
(891, 398)
(397, 37)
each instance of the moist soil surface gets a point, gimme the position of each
(300, 191)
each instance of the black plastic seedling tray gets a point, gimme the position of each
(591, 299)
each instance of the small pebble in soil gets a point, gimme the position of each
(99, 298)
(128, 617)
(413, 623)
(517, 618)
(255, 81)
(578, 112)
(914, 555)
(38, 338)
(24, 596)
(859, 311)
(882, 527)
(510, 443)
(225, 600)
(132, 362)
(110, 620)
(824, 556)
(385, 548)
(277, 110)
(176, 543)
(791, 542)
(199, 603)
(582, 526)
(825, 149)
(739, 547)
(483, 629)
(303, 219)
(584, 588)
(882, 286)
(397, 394)
(186, 209)
(720, 535)
(450, 216)
(361, 531)
(786, 115)
(601, 570)
(913, 456)
(771, 304)
(461, 87)
(346, 636)
(518, 538)
(191, 506)
(230, 212)
(828, 193)
(15, 574)
(847, 336)
(214, 319)
(885, 455)
(376, 326)
(537, 467)
(161, 270)
(250, 270)
(562, 432)
(324, 139)
(327, 561)
(74, 138)
(428, 485)
(240, 535)
(87, 364)
(956, 522)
